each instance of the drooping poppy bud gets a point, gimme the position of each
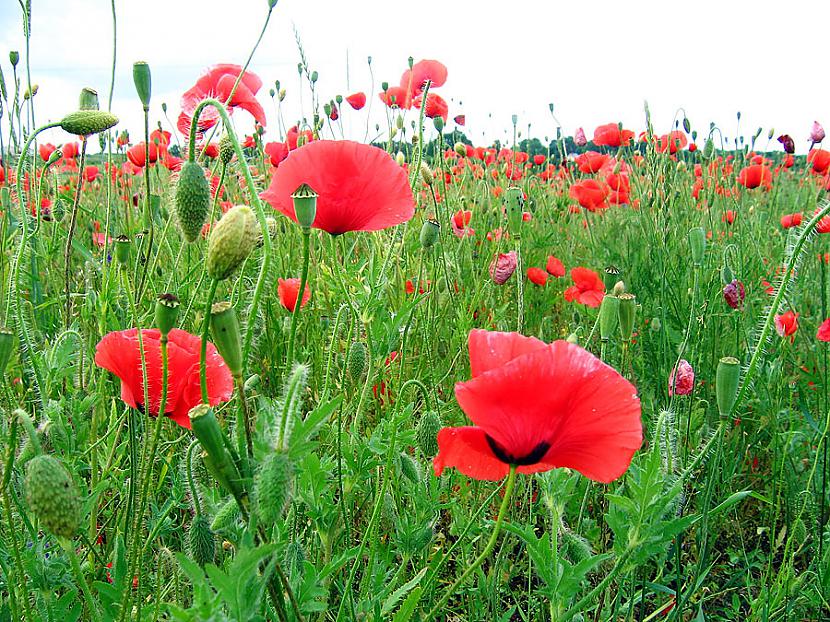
(356, 363)
(427, 433)
(143, 82)
(429, 233)
(192, 200)
(201, 541)
(273, 487)
(305, 205)
(726, 384)
(52, 496)
(225, 517)
(231, 241)
(224, 328)
(426, 174)
(88, 122)
(226, 149)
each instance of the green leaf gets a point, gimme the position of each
(395, 596)
(408, 606)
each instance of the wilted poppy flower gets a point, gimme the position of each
(610, 135)
(119, 353)
(587, 419)
(816, 133)
(357, 100)
(682, 379)
(537, 276)
(754, 176)
(436, 106)
(787, 142)
(579, 137)
(786, 324)
(217, 83)
(824, 331)
(555, 267)
(432, 71)
(287, 290)
(734, 293)
(503, 266)
(359, 187)
(791, 220)
(591, 194)
(588, 289)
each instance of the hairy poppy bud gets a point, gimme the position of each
(314, 76)
(122, 249)
(231, 241)
(58, 210)
(6, 347)
(727, 379)
(608, 312)
(427, 433)
(697, 243)
(400, 158)
(226, 516)
(356, 363)
(726, 274)
(226, 150)
(610, 276)
(655, 324)
(409, 468)
(52, 496)
(192, 200)
(305, 205)
(619, 288)
(708, 149)
(224, 328)
(88, 99)
(273, 486)
(627, 313)
(143, 82)
(460, 149)
(426, 174)
(88, 122)
(167, 313)
(429, 233)
(201, 541)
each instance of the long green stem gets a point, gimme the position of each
(73, 221)
(203, 350)
(298, 302)
(69, 548)
(508, 494)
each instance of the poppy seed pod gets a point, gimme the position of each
(608, 312)
(429, 233)
(6, 347)
(726, 384)
(52, 496)
(627, 313)
(88, 99)
(514, 203)
(143, 82)
(207, 431)
(438, 122)
(88, 122)
(610, 276)
(231, 241)
(224, 328)
(697, 243)
(122, 249)
(305, 205)
(167, 314)
(192, 200)
(201, 541)
(273, 486)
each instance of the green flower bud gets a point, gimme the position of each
(192, 200)
(427, 433)
(143, 82)
(88, 122)
(224, 328)
(167, 313)
(201, 541)
(709, 149)
(429, 233)
(356, 363)
(727, 379)
(687, 126)
(231, 241)
(226, 517)
(726, 274)
(52, 496)
(88, 99)
(273, 485)
(226, 149)
(426, 174)
(627, 313)
(697, 243)
(409, 468)
(438, 122)
(305, 205)
(608, 313)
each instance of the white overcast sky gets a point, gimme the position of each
(597, 61)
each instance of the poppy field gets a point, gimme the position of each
(287, 375)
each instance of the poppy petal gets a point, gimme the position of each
(467, 450)
(490, 349)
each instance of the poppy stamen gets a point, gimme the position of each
(534, 457)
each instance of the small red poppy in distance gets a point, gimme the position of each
(537, 276)
(460, 119)
(218, 83)
(786, 324)
(824, 331)
(119, 353)
(555, 267)
(359, 187)
(396, 96)
(588, 289)
(357, 100)
(287, 290)
(755, 176)
(587, 419)
(791, 220)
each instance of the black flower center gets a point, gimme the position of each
(535, 455)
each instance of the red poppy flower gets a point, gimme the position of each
(754, 176)
(292, 137)
(91, 173)
(276, 152)
(396, 96)
(119, 353)
(786, 324)
(791, 220)
(217, 83)
(588, 289)
(555, 267)
(357, 100)
(820, 159)
(610, 135)
(46, 150)
(413, 80)
(460, 119)
(287, 290)
(728, 216)
(538, 159)
(824, 331)
(591, 194)
(70, 151)
(592, 161)
(537, 276)
(161, 138)
(359, 187)
(211, 151)
(436, 106)
(673, 142)
(136, 153)
(587, 419)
